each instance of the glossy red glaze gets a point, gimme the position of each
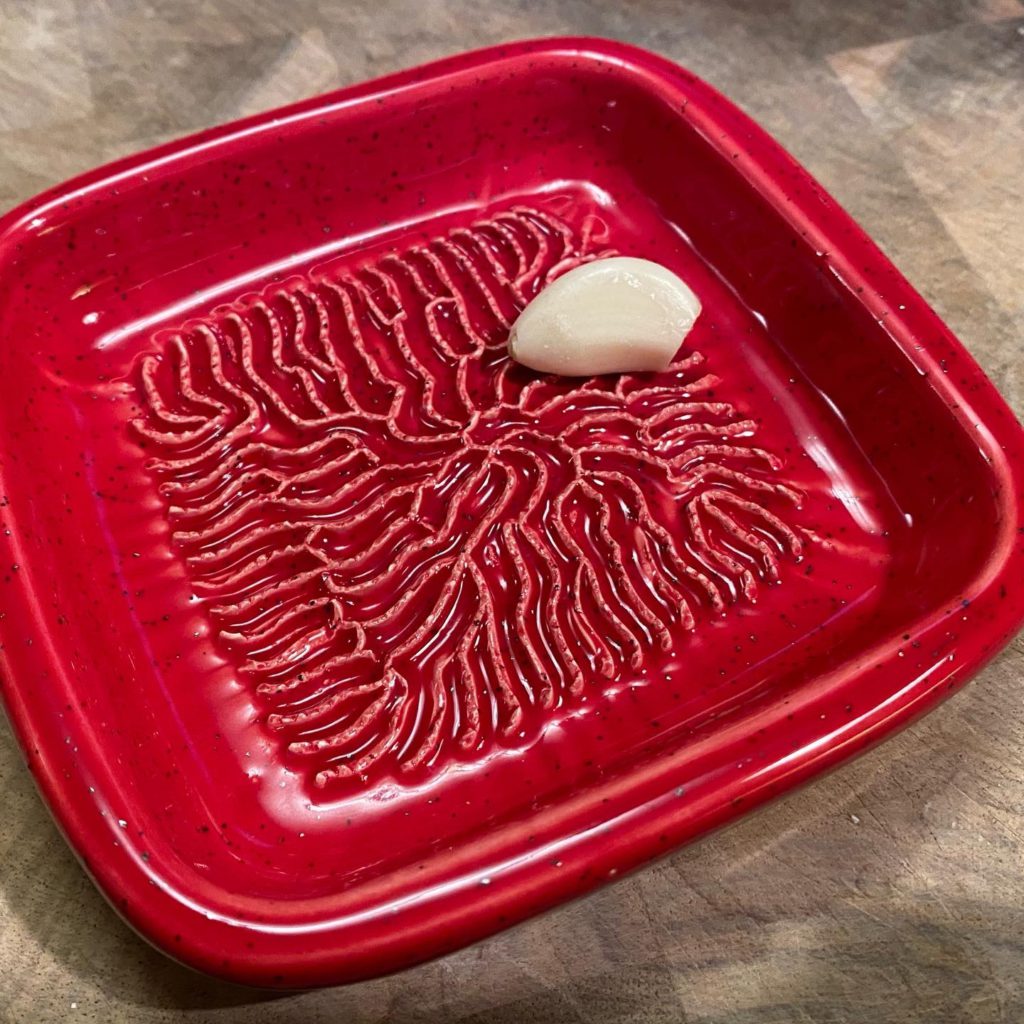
(219, 355)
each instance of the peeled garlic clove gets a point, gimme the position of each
(616, 315)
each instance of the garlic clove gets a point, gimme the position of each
(615, 315)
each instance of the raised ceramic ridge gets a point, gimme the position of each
(410, 547)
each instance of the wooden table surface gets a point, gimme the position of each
(892, 891)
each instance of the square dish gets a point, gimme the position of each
(334, 643)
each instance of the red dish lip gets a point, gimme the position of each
(90, 766)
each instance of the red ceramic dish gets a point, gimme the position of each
(333, 642)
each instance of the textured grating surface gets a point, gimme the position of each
(412, 548)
